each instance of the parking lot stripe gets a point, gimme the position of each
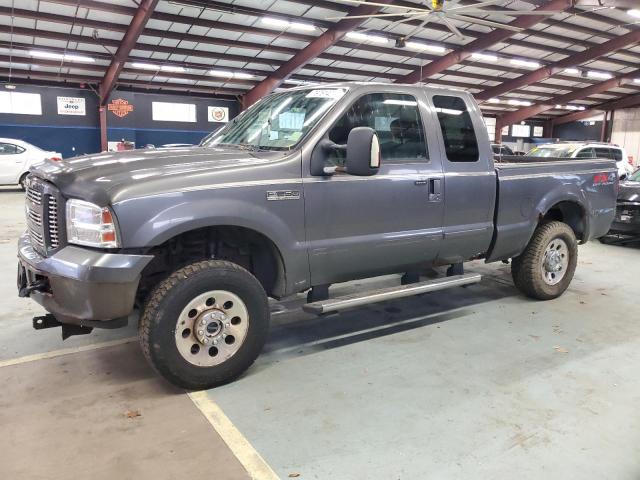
(250, 459)
(65, 351)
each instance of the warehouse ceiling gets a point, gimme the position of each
(572, 58)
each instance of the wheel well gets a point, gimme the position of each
(570, 213)
(243, 246)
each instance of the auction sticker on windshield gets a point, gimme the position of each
(333, 93)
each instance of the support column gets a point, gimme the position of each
(104, 145)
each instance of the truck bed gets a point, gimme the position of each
(529, 187)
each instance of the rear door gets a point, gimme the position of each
(12, 162)
(388, 222)
(470, 179)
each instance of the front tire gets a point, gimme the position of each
(205, 324)
(546, 267)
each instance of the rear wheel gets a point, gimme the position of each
(546, 267)
(205, 324)
(23, 181)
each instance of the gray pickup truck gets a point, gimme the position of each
(307, 188)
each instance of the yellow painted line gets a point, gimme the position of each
(64, 351)
(250, 459)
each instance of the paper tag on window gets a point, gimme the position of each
(326, 93)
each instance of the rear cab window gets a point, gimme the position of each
(458, 133)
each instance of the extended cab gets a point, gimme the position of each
(309, 187)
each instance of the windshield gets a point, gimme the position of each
(279, 121)
(559, 152)
(635, 176)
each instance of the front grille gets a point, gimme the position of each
(54, 236)
(44, 217)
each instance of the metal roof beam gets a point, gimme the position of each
(485, 41)
(128, 42)
(554, 68)
(311, 51)
(629, 101)
(527, 112)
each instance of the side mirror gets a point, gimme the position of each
(363, 152)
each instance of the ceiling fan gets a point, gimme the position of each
(439, 11)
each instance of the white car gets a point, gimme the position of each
(17, 157)
(586, 150)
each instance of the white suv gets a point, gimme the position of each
(586, 150)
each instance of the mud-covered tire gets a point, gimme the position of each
(158, 327)
(528, 270)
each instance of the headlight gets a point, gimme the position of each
(91, 225)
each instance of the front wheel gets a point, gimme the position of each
(546, 267)
(205, 324)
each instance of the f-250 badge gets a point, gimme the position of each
(283, 195)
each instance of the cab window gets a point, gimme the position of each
(396, 120)
(586, 153)
(460, 142)
(603, 153)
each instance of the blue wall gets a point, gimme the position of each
(69, 141)
(73, 135)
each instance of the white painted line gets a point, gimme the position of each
(65, 351)
(251, 460)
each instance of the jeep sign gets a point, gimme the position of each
(71, 106)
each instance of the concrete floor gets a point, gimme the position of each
(476, 382)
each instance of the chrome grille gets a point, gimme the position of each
(43, 216)
(54, 237)
(34, 196)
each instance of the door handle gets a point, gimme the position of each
(435, 189)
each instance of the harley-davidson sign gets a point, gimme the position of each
(120, 107)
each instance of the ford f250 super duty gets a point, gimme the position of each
(307, 188)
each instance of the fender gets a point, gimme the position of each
(171, 214)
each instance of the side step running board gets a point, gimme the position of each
(383, 294)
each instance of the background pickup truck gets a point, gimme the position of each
(309, 187)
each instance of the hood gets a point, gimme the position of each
(629, 192)
(113, 176)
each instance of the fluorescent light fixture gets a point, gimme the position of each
(634, 12)
(525, 63)
(494, 100)
(572, 71)
(404, 103)
(228, 74)
(487, 57)
(243, 75)
(636, 80)
(172, 68)
(277, 22)
(601, 75)
(60, 56)
(145, 66)
(523, 103)
(425, 46)
(365, 37)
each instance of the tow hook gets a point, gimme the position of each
(68, 330)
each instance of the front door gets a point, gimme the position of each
(388, 222)
(12, 161)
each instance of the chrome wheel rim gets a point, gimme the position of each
(555, 261)
(211, 328)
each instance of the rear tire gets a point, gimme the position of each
(23, 181)
(546, 267)
(205, 324)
